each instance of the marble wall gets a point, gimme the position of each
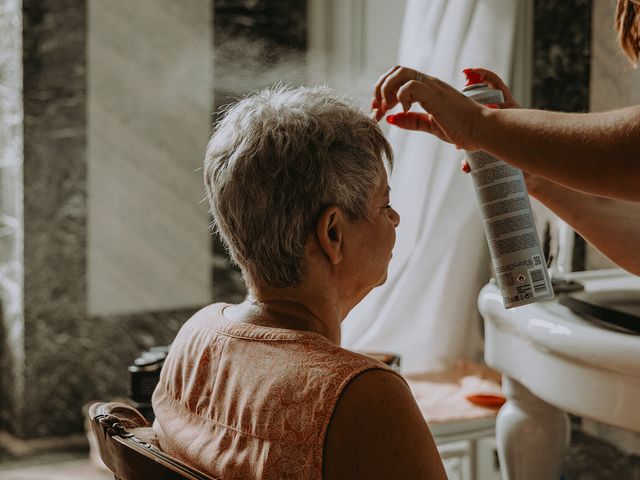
(150, 68)
(54, 91)
(57, 353)
(562, 52)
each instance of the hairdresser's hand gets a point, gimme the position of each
(449, 114)
(494, 81)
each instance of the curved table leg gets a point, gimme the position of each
(532, 436)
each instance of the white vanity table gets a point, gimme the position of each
(553, 362)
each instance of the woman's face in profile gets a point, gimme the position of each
(373, 239)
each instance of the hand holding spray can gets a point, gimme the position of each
(518, 262)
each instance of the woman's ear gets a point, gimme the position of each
(329, 231)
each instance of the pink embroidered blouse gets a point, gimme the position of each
(240, 401)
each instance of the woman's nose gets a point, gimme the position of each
(395, 217)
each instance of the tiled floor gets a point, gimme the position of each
(54, 468)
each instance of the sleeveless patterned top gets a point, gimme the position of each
(241, 401)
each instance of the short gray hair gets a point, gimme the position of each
(276, 160)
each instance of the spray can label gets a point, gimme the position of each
(518, 261)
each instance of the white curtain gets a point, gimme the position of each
(426, 311)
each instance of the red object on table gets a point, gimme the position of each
(487, 401)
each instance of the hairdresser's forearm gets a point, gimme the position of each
(597, 153)
(612, 226)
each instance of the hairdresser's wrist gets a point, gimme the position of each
(535, 185)
(484, 134)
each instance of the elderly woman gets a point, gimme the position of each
(298, 189)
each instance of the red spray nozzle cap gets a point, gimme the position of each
(473, 77)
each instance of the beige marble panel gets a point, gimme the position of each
(149, 94)
(614, 83)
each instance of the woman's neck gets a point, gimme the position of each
(292, 309)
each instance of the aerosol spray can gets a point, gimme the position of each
(518, 261)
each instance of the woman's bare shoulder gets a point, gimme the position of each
(378, 431)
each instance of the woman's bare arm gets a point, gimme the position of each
(377, 431)
(597, 153)
(612, 226)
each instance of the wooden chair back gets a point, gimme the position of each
(126, 447)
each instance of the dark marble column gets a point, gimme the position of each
(562, 66)
(54, 43)
(257, 43)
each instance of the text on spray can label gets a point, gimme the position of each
(501, 192)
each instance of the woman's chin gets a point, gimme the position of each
(368, 290)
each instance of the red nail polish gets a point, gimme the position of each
(492, 105)
(391, 119)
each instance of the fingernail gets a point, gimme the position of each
(391, 119)
(492, 105)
